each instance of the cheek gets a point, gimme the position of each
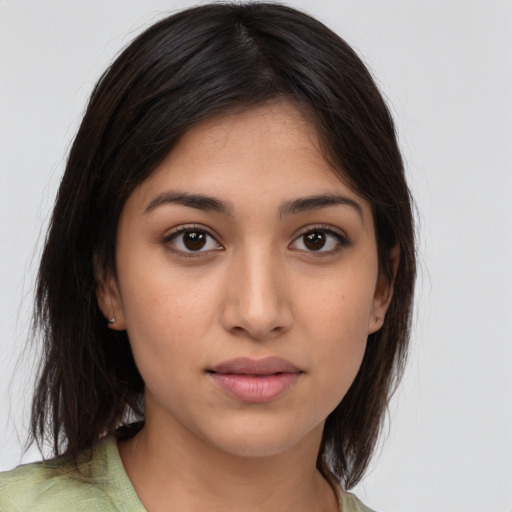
(340, 343)
(166, 316)
(335, 319)
(338, 304)
(338, 358)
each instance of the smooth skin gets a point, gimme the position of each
(242, 243)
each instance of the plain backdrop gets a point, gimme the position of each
(445, 68)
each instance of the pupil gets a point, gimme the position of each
(194, 240)
(315, 240)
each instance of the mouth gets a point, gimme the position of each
(255, 380)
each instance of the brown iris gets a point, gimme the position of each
(314, 240)
(194, 240)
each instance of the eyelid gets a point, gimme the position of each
(184, 228)
(328, 229)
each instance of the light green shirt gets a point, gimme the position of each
(48, 487)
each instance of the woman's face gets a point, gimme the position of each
(247, 280)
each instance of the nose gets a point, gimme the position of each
(257, 301)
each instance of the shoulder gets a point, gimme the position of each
(36, 487)
(45, 487)
(350, 503)
(347, 501)
(52, 486)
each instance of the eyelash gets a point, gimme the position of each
(341, 241)
(189, 229)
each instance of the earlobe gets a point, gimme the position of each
(109, 301)
(383, 293)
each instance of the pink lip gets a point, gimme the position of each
(255, 380)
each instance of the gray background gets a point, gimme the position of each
(445, 67)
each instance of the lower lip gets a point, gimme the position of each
(254, 388)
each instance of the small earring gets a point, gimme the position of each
(112, 320)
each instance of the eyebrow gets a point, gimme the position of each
(303, 204)
(198, 201)
(212, 204)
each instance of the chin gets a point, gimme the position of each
(256, 447)
(264, 440)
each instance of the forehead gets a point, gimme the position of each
(277, 128)
(271, 152)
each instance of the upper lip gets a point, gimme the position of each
(248, 366)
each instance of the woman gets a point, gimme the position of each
(226, 286)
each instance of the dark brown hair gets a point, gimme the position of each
(188, 67)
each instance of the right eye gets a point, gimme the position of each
(189, 240)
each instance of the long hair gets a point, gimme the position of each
(184, 69)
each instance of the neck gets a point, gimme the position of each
(168, 466)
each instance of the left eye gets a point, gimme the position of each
(319, 240)
(192, 240)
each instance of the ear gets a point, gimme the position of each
(383, 293)
(109, 300)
